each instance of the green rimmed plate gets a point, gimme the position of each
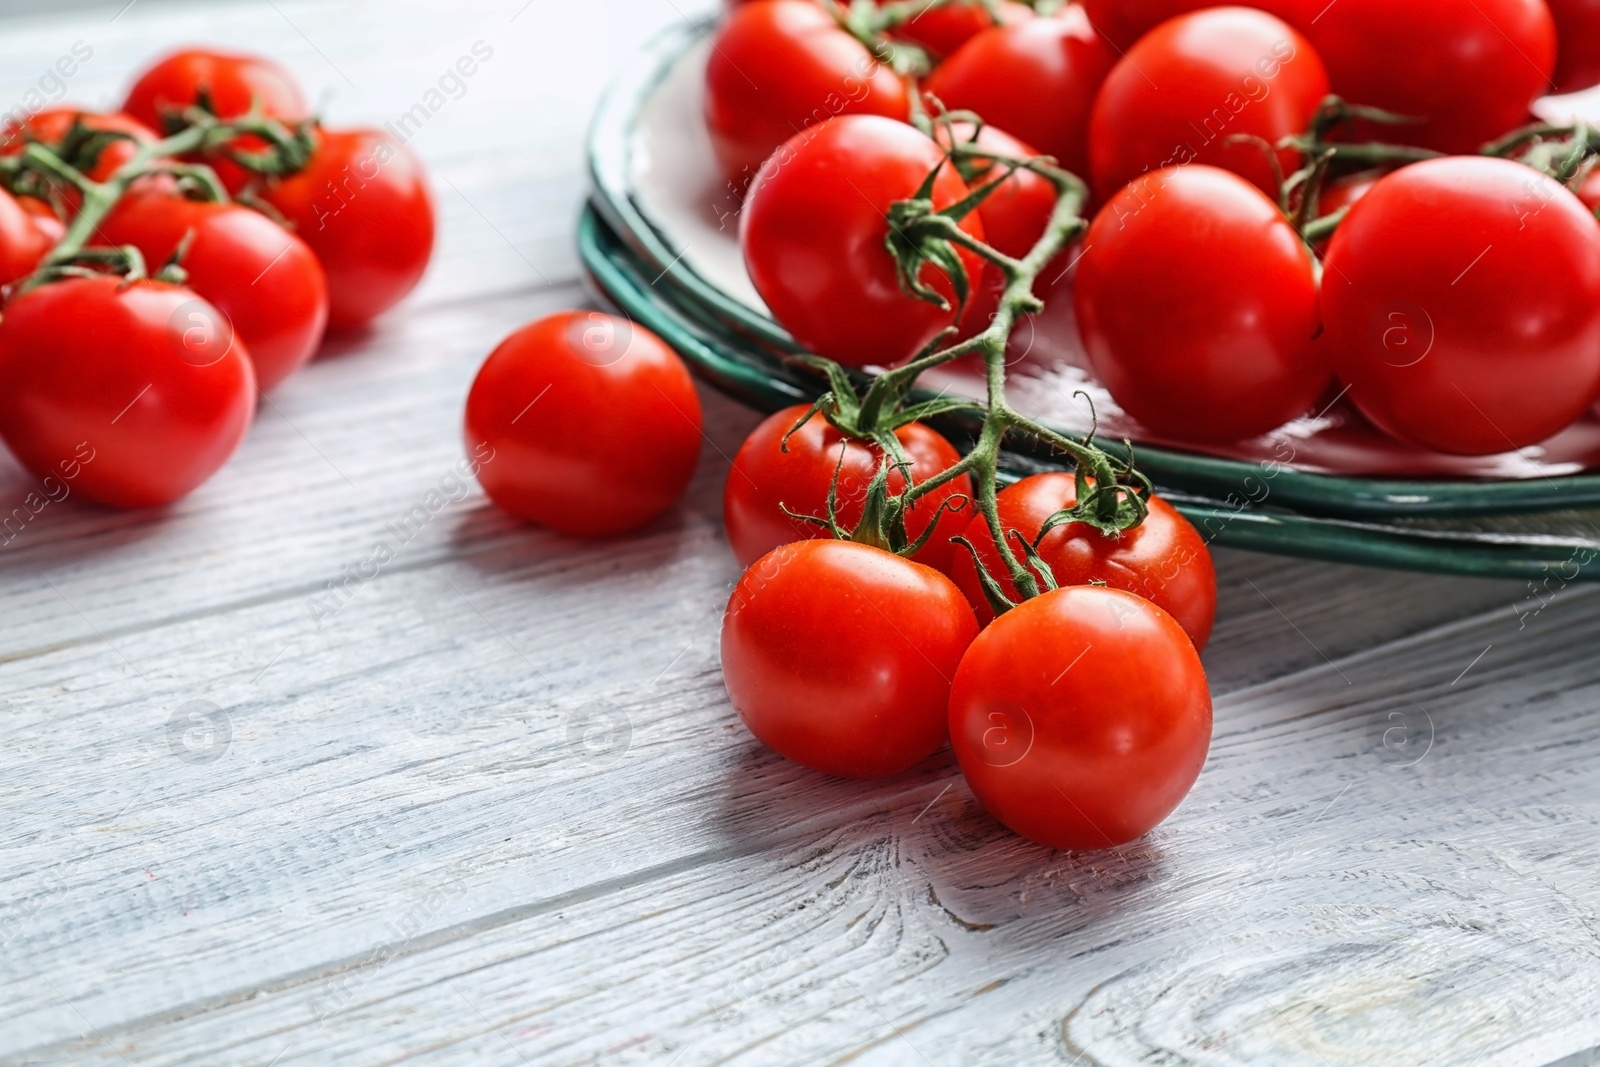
(656, 187)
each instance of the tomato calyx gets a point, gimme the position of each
(884, 514)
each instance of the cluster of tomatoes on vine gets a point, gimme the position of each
(167, 263)
(913, 192)
(852, 643)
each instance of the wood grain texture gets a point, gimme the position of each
(495, 808)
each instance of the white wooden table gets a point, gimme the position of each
(497, 810)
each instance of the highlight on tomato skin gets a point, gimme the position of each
(1082, 718)
(839, 656)
(585, 423)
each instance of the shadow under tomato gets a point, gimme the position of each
(350, 339)
(33, 520)
(984, 877)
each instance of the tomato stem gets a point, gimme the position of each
(204, 132)
(1111, 497)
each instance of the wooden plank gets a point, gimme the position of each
(1322, 898)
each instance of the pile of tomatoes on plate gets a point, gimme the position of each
(1291, 201)
(1254, 211)
(167, 263)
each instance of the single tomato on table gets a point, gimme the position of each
(363, 206)
(782, 67)
(1462, 305)
(769, 475)
(586, 423)
(135, 381)
(839, 656)
(1081, 718)
(1163, 559)
(262, 277)
(815, 237)
(1197, 304)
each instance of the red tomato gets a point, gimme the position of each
(364, 208)
(1081, 718)
(23, 242)
(839, 656)
(942, 30)
(1034, 79)
(1462, 302)
(1470, 68)
(1346, 191)
(1125, 21)
(263, 278)
(780, 67)
(1197, 303)
(134, 382)
(588, 424)
(1163, 559)
(232, 82)
(814, 235)
(1578, 50)
(1197, 81)
(765, 479)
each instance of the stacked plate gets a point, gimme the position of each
(660, 239)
